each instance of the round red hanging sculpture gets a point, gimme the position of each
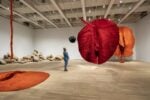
(126, 43)
(18, 80)
(98, 40)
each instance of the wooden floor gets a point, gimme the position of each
(85, 81)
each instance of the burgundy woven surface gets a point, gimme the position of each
(98, 40)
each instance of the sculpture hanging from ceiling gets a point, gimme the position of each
(98, 40)
(126, 43)
(72, 39)
(11, 29)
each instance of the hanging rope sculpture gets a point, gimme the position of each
(11, 29)
(126, 43)
(98, 40)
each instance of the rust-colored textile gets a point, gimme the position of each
(18, 80)
(126, 42)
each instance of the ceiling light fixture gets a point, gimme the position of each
(89, 19)
(89, 11)
(104, 6)
(120, 1)
(130, 8)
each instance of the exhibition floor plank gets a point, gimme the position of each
(85, 81)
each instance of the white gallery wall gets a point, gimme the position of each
(52, 41)
(143, 39)
(23, 42)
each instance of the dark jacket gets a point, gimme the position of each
(66, 56)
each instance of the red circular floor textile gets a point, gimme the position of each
(98, 40)
(18, 80)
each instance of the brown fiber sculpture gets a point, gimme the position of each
(19, 80)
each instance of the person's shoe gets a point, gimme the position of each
(65, 70)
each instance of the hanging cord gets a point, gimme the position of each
(11, 29)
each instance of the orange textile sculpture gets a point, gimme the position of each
(126, 43)
(18, 80)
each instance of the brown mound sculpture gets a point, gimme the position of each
(18, 80)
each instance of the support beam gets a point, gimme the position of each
(132, 10)
(60, 11)
(109, 7)
(40, 14)
(83, 9)
(22, 16)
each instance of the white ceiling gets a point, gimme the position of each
(67, 13)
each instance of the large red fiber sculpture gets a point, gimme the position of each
(98, 40)
(126, 43)
(18, 80)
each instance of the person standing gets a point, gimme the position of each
(66, 58)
